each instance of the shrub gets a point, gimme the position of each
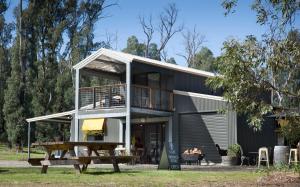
(234, 150)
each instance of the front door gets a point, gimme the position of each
(148, 141)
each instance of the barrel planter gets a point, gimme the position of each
(281, 155)
(229, 161)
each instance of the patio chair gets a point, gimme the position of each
(222, 152)
(293, 156)
(244, 157)
(263, 156)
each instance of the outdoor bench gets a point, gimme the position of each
(78, 161)
(108, 159)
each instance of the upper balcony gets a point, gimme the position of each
(114, 96)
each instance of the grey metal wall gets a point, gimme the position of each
(201, 108)
(175, 80)
(252, 140)
(204, 130)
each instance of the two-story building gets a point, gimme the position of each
(142, 102)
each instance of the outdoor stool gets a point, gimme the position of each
(263, 151)
(293, 156)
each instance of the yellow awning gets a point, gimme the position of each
(93, 124)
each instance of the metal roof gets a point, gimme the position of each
(63, 117)
(118, 57)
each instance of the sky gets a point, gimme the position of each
(206, 15)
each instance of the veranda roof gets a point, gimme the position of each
(63, 117)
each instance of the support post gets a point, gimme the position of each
(170, 129)
(121, 131)
(28, 140)
(94, 97)
(128, 106)
(76, 109)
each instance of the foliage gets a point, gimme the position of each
(5, 39)
(140, 49)
(51, 37)
(171, 60)
(291, 131)
(234, 150)
(243, 79)
(252, 70)
(134, 47)
(14, 106)
(205, 60)
(276, 14)
(296, 169)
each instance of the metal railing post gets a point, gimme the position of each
(94, 97)
(28, 140)
(109, 96)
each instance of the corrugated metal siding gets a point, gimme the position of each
(232, 125)
(176, 80)
(204, 131)
(251, 140)
(113, 127)
(215, 122)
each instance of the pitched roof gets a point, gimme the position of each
(128, 58)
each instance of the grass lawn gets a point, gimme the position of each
(11, 154)
(102, 177)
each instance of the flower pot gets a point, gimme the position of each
(229, 161)
(57, 138)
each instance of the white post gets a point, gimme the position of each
(28, 139)
(120, 131)
(170, 129)
(128, 88)
(76, 129)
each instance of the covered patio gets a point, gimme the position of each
(58, 118)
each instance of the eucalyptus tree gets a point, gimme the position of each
(5, 42)
(205, 60)
(253, 71)
(51, 37)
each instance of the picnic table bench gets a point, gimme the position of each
(77, 161)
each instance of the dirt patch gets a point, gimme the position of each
(280, 179)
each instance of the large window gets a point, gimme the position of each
(154, 80)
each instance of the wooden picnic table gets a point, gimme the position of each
(69, 147)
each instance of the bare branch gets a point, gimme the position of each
(111, 40)
(167, 26)
(192, 43)
(148, 31)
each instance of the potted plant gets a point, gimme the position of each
(233, 154)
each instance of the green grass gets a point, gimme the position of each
(104, 177)
(11, 154)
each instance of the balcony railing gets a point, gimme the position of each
(111, 96)
(151, 98)
(107, 96)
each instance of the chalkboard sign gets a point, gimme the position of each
(169, 158)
